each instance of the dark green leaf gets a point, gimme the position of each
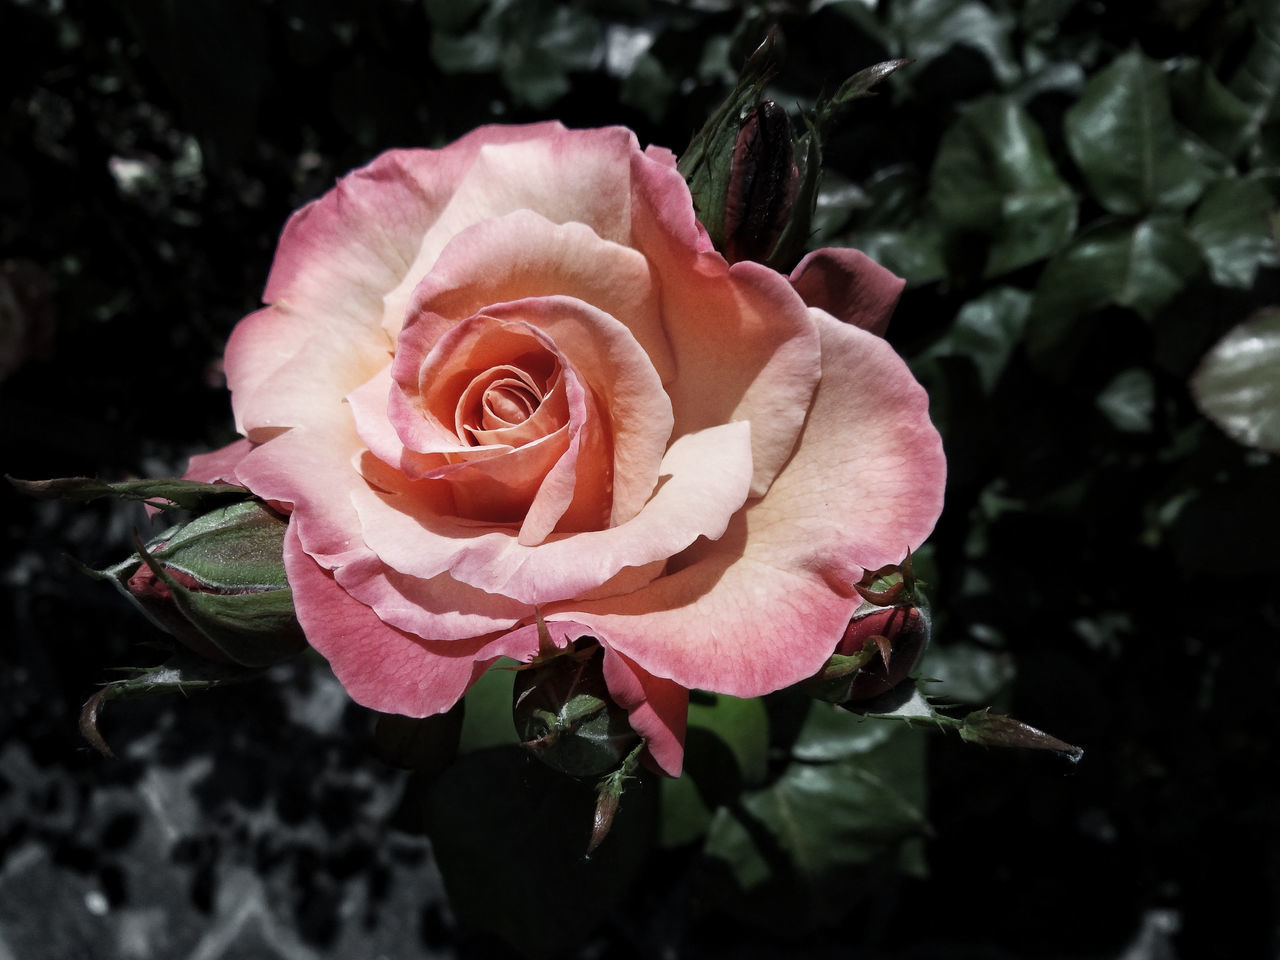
(926, 29)
(987, 330)
(1209, 109)
(1257, 79)
(799, 851)
(1231, 227)
(476, 52)
(1122, 136)
(452, 15)
(648, 87)
(966, 673)
(993, 177)
(913, 253)
(1238, 383)
(510, 835)
(742, 724)
(1129, 400)
(831, 733)
(1141, 266)
(686, 816)
(533, 76)
(726, 747)
(907, 703)
(488, 721)
(570, 37)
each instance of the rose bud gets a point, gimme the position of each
(565, 717)
(217, 584)
(879, 649)
(763, 184)
(997, 730)
(708, 162)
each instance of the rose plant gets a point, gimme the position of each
(512, 378)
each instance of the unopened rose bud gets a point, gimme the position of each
(708, 164)
(565, 717)
(763, 183)
(879, 649)
(998, 730)
(217, 584)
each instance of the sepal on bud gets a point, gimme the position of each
(183, 673)
(882, 642)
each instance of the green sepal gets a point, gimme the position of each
(706, 163)
(183, 673)
(609, 797)
(235, 548)
(831, 683)
(163, 494)
(565, 717)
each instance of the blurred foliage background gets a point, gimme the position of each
(1081, 197)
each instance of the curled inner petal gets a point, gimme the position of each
(504, 405)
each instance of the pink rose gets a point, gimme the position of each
(512, 376)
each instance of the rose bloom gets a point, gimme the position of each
(512, 376)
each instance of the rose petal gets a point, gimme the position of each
(604, 353)
(657, 709)
(764, 606)
(563, 176)
(312, 469)
(850, 286)
(523, 255)
(745, 346)
(441, 608)
(218, 466)
(704, 482)
(380, 667)
(618, 428)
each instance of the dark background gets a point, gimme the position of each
(1110, 545)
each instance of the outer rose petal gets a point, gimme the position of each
(850, 286)
(745, 346)
(764, 606)
(380, 667)
(657, 709)
(218, 466)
